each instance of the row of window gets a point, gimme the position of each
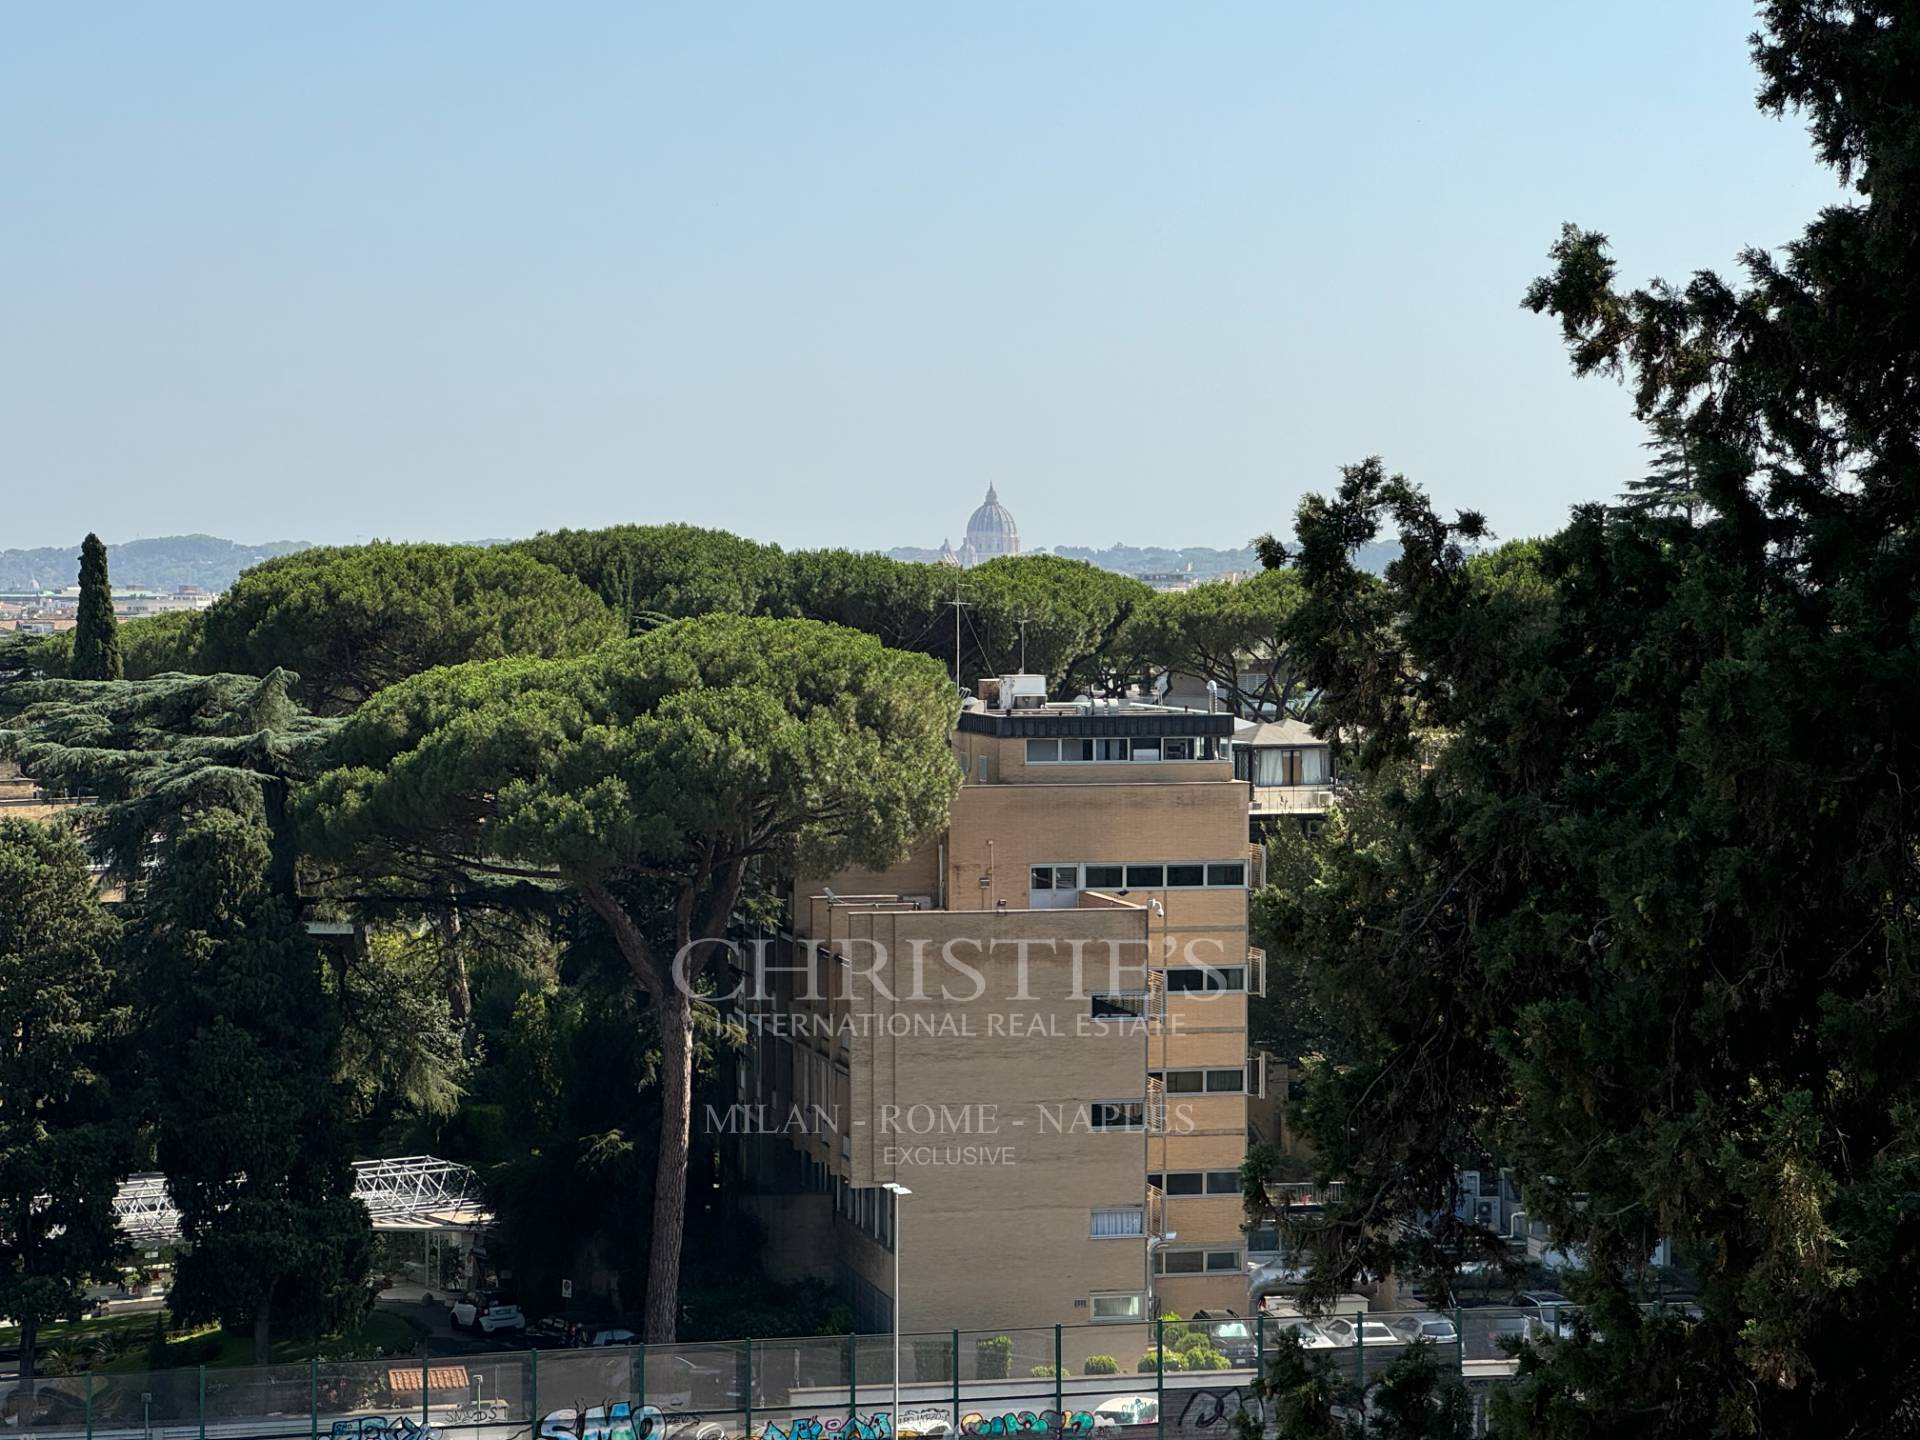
(1114, 751)
(1211, 979)
(870, 1208)
(1174, 875)
(1196, 1182)
(1202, 1082)
(1197, 1262)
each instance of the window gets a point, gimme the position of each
(1149, 876)
(1118, 1307)
(1100, 877)
(1118, 1222)
(1290, 765)
(1188, 979)
(1192, 876)
(1042, 878)
(1146, 749)
(1040, 751)
(1119, 1004)
(1177, 749)
(1202, 1082)
(983, 769)
(1118, 1115)
(1197, 1262)
(1112, 749)
(1233, 873)
(1197, 1182)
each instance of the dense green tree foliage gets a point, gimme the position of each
(903, 605)
(1304, 1395)
(1234, 633)
(352, 620)
(1060, 618)
(63, 1140)
(650, 573)
(646, 780)
(1642, 922)
(155, 752)
(1667, 487)
(250, 1125)
(162, 644)
(96, 633)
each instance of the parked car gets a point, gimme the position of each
(487, 1315)
(1121, 1410)
(1432, 1328)
(1371, 1333)
(605, 1335)
(682, 1382)
(1310, 1335)
(1233, 1339)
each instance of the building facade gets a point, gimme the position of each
(1036, 1023)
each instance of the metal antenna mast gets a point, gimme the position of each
(958, 605)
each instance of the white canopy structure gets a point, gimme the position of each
(408, 1192)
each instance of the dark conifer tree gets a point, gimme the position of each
(96, 635)
(250, 1129)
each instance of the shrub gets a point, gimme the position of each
(1154, 1360)
(1101, 1365)
(993, 1357)
(1205, 1357)
(1189, 1338)
(1046, 1372)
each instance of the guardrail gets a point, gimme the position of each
(1058, 1382)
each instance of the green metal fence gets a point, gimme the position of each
(1182, 1379)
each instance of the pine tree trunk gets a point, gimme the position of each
(453, 964)
(262, 1331)
(29, 1339)
(670, 1177)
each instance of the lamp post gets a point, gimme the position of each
(899, 1193)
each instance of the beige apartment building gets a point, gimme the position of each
(1036, 1023)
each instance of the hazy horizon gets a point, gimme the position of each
(818, 276)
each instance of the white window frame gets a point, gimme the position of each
(1135, 1215)
(1136, 1307)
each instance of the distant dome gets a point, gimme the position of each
(991, 531)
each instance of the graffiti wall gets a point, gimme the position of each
(623, 1420)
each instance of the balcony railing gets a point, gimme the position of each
(1291, 799)
(1156, 1211)
(1156, 1107)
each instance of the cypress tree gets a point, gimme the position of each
(96, 635)
(249, 1118)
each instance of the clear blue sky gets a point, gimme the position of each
(818, 272)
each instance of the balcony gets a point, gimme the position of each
(1156, 1107)
(1291, 799)
(1156, 1212)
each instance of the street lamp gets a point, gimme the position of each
(899, 1193)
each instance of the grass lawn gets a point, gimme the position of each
(91, 1328)
(382, 1332)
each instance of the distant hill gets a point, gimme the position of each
(159, 564)
(1200, 561)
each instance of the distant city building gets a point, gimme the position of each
(990, 533)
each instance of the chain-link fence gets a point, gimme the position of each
(1187, 1379)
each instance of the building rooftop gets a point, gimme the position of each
(1277, 732)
